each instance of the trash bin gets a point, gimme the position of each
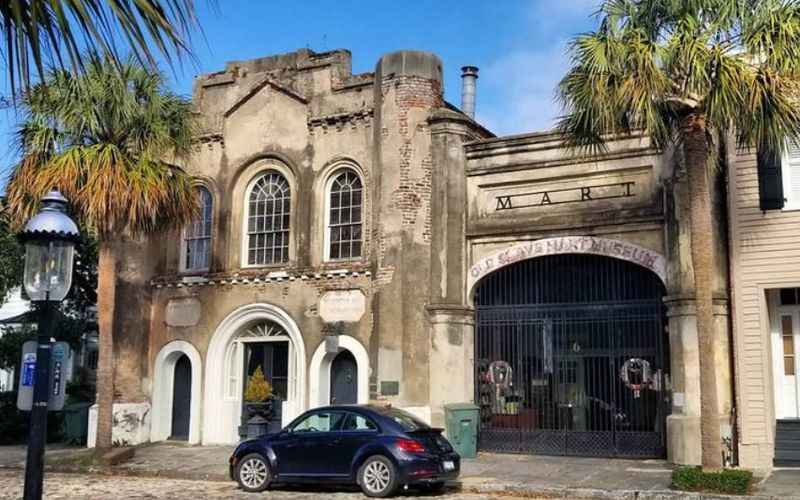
(461, 420)
(76, 422)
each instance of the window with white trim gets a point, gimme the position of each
(197, 234)
(344, 217)
(268, 211)
(790, 167)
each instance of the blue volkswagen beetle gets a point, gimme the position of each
(378, 448)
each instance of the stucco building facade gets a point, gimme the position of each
(362, 240)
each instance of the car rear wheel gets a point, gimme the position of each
(252, 473)
(377, 477)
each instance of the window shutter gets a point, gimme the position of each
(792, 173)
(770, 182)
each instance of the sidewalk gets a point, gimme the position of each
(550, 477)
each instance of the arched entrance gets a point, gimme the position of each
(571, 358)
(176, 379)
(254, 336)
(344, 379)
(181, 399)
(350, 354)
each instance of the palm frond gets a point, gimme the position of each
(734, 62)
(103, 138)
(38, 33)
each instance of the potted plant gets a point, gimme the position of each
(257, 405)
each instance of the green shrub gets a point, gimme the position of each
(728, 481)
(14, 423)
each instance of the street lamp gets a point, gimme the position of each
(49, 239)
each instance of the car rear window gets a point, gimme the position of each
(407, 421)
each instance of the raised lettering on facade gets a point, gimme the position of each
(566, 195)
(565, 245)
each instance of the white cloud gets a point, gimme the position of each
(519, 87)
(523, 87)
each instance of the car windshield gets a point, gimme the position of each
(407, 421)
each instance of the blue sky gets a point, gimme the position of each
(518, 45)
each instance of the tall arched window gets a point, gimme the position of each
(197, 234)
(344, 219)
(268, 207)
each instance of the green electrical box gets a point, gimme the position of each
(461, 420)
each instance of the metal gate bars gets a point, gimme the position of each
(573, 378)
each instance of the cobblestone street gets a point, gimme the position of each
(79, 486)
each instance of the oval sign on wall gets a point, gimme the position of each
(345, 305)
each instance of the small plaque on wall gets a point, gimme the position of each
(183, 312)
(390, 388)
(342, 306)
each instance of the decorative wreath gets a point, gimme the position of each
(500, 374)
(636, 366)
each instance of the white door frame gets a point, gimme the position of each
(787, 402)
(163, 384)
(320, 371)
(223, 402)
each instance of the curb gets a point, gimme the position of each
(523, 489)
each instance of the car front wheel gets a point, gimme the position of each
(377, 477)
(252, 473)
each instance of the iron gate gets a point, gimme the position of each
(571, 360)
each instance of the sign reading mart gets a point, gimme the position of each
(565, 245)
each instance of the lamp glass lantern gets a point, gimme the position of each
(49, 239)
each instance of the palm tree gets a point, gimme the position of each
(38, 31)
(101, 138)
(688, 72)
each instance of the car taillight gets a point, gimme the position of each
(410, 446)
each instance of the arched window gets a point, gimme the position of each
(343, 237)
(197, 235)
(268, 208)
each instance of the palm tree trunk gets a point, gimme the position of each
(106, 295)
(696, 150)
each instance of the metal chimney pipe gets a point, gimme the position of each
(469, 77)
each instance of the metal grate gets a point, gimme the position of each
(553, 336)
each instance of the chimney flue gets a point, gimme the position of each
(469, 77)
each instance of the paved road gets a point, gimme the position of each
(75, 486)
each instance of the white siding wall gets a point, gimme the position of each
(765, 254)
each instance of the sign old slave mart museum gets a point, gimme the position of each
(363, 240)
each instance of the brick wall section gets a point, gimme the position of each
(413, 194)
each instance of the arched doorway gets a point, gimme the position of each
(321, 370)
(181, 399)
(344, 379)
(253, 336)
(166, 376)
(571, 358)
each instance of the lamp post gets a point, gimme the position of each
(49, 239)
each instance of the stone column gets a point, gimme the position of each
(408, 85)
(683, 425)
(451, 319)
(452, 346)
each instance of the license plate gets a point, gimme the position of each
(448, 465)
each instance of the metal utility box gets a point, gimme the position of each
(76, 422)
(461, 420)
